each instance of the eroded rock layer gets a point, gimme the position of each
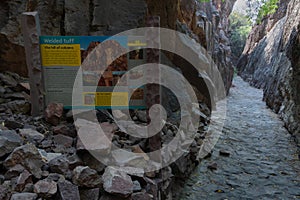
(271, 62)
(206, 22)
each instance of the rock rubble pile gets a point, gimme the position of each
(43, 157)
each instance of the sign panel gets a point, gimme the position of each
(63, 56)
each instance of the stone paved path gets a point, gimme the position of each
(263, 161)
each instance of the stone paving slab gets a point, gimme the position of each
(263, 161)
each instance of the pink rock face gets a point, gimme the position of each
(95, 137)
(63, 140)
(117, 182)
(53, 113)
(45, 189)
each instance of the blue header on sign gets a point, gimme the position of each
(84, 41)
(59, 40)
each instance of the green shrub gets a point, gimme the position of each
(205, 1)
(240, 27)
(269, 7)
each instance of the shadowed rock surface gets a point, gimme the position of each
(272, 63)
(262, 161)
(205, 22)
(44, 157)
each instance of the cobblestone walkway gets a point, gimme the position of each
(263, 161)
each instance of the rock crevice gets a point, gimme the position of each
(271, 62)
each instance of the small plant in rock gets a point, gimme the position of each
(258, 9)
(269, 7)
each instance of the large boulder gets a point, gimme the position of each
(9, 140)
(117, 182)
(67, 190)
(29, 157)
(32, 135)
(45, 189)
(86, 177)
(53, 113)
(90, 137)
(60, 165)
(24, 196)
(14, 171)
(89, 160)
(24, 179)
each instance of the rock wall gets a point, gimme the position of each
(206, 22)
(260, 30)
(61, 17)
(272, 63)
(222, 51)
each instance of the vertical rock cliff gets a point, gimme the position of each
(206, 22)
(271, 61)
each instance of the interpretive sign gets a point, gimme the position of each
(63, 56)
